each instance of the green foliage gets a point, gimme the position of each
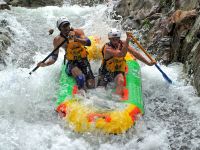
(166, 3)
(162, 2)
(146, 24)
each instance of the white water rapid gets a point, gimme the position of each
(28, 120)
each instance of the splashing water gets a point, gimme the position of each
(27, 103)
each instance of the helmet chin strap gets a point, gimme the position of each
(66, 37)
(113, 46)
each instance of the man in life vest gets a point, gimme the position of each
(78, 65)
(114, 64)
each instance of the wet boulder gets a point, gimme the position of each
(34, 3)
(4, 5)
(5, 42)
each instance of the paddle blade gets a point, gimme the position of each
(164, 75)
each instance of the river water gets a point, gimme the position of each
(28, 120)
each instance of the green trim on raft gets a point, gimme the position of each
(133, 81)
(133, 84)
(66, 86)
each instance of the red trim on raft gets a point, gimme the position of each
(126, 71)
(125, 94)
(62, 110)
(93, 117)
(125, 90)
(75, 90)
(133, 114)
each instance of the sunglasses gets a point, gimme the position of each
(65, 26)
(115, 39)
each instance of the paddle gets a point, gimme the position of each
(149, 56)
(49, 55)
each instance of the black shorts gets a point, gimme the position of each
(83, 65)
(105, 76)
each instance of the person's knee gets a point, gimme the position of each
(76, 71)
(120, 81)
(80, 80)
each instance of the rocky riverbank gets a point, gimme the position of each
(169, 29)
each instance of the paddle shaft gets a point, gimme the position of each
(49, 55)
(140, 46)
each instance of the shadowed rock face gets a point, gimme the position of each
(4, 5)
(39, 3)
(87, 2)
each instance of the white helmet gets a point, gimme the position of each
(114, 33)
(62, 20)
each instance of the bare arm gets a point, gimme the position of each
(81, 37)
(110, 52)
(118, 53)
(56, 42)
(140, 57)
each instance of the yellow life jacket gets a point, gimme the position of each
(75, 51)
(114, 64)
